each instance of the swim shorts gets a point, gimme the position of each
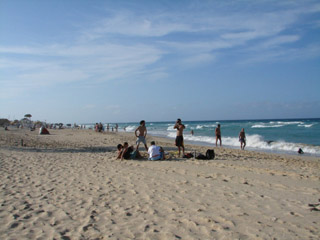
(179, 141)
(141, 139)
(158, 157)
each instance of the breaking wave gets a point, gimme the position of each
(254, 141)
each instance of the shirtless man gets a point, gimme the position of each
(179, 139)
(218, 135)
(242, 139)
(141, 137)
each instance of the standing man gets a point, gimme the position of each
(179, 139)
(141, 137)
(242, 139)
(218, 135)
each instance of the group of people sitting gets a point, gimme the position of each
(129, 152)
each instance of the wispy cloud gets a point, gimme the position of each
(126, 44)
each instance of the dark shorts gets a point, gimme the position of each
(218, 136)
(179, 141)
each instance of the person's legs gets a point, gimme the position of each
(138, 143)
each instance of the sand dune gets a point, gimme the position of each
(68, 185)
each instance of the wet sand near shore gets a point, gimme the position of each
(69, 185)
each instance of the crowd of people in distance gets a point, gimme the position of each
(100, 128)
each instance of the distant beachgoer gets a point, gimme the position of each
(116, 127)
(100, 127)
(6, 128)
(125, 129)
(192, 132)
(179, 138)
(242, 139)
(218, 135)
(141, 137)
(155, 152)
(96, 128)
(126, 152)
(108, 127)
(300, 151)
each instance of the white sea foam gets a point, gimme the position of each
(286, 123)
(131, 128)
(266, 126)
(305, 125)
(277, 124)
(170, 128)
(254, 141)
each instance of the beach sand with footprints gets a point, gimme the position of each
(69, 185)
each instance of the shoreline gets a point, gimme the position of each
(68, 185)
(169, 142)
(265, 136)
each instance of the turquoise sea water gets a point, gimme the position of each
(279, 136)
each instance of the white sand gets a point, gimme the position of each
(68, 185)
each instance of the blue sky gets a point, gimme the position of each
(121, 61)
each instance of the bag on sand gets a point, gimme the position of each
(200, 156)
(210, 154)
(188, 155)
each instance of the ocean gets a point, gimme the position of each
(277, 136)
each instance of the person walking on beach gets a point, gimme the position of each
(179, 139)
(141, 137)
(242, 139)
(218, 135)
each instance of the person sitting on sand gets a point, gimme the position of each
(141, 137)
(155, 152)
(126, 152)
(242, 139)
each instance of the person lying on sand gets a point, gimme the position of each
(126, 152)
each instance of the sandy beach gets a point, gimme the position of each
(69, 185)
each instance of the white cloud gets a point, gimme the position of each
(199, 59)
(127, 44)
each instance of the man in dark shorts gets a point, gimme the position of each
(218, 135)
(179, 139)
(242, 139)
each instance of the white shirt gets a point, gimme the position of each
(154, 151)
